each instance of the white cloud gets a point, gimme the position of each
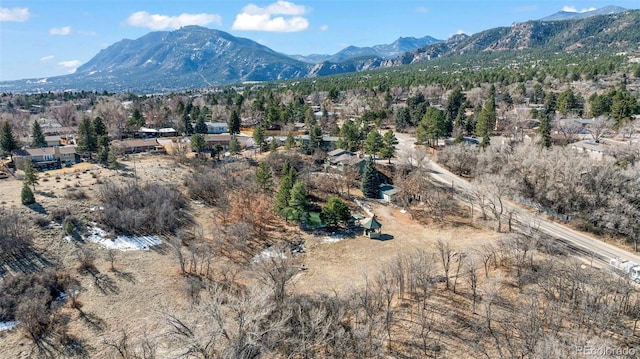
(47, 58)
(72, 65)
(161, 22)
(65, 30)
(255, 18)
(568, 8)
(16, 14)
(324, 28)
(422, 10)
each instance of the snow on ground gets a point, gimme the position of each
(7, 325)
(333, 238)
(122, 243)
(271, 252)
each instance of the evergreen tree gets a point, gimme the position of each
(112, 160)
(403, 118)
(26, 195)
(432, 127)
(544, 130)
(8, 142)
(284, 192)
(87, 141)
(30, 175)
(264, 177)
(290, 142)
(198, 143)
(298, 201)
(137, 120)
(103, 149)
(186, 123)
(234, 122)
(315, 138)
(454, 106)
(273, 145)
(335, 212)
(370, 185)
(99, 128)
(38, 136)
(234, 145)
(389, 142)
(373, 144)
(487, 117)
(259, 136)
(201, 126)
(349, 136)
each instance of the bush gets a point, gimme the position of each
(15, 233)
(30, 299)
(142, 209)
(75, 194)
(27, 196)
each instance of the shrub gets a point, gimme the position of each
(15, 232)
(143, 209)
(27, 196)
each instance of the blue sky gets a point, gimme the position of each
(45, 38)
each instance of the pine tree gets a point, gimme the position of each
(8, 142)
(487, 117)
(38, 136)
(234, 122)
(186, 122)
(389, 142)
(298, 200)
(87, 141)
(315, 138)
(373, 143)
(259, 136)
(99, 128)
(273, 145)
(26, 195)
(112, 160)
(284, 192)
(234, 145)
(370, 185)
(290, 142)
(201, 126)
(545, 131)
(264, 177)
(30, 175)
(198, 143)
(334, 212)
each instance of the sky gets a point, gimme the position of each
(46, 38)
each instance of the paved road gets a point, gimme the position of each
(583, 245)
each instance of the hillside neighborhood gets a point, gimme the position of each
(477, 199)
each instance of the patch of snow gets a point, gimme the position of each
(333, 238)
(121, 243)
(271, 252)
(7, 325)
(96, 208)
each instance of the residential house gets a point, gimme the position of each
(46, 157)
(137, 145)
(340, 159)
(217, 127)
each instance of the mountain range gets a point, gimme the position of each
(572, 15)
(196, 57)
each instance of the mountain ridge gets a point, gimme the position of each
(196, 57)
